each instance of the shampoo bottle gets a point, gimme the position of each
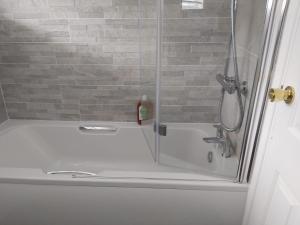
(143, 109)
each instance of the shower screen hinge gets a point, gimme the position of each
(162, 129)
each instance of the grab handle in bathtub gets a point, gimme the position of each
(62, 172)
(96, 129)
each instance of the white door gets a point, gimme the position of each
(274, 197)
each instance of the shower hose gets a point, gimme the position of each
(233, 51)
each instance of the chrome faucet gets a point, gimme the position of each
(228, 83)
(222, 140)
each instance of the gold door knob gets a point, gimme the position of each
(287, 95)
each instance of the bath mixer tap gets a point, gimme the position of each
(220, 131)
(228, 83)
(222, 140)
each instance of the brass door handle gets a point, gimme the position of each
(287, 95)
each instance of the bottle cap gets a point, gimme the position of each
(144, 98)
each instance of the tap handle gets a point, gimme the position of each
(217, 126)
(220, 130)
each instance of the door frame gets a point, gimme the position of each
(276, 11)
(269, 112)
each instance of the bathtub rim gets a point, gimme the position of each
(212, 185)
(11, 124)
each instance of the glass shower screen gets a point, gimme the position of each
(182, 50)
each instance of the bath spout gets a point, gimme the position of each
(216, 140)
(222, 140)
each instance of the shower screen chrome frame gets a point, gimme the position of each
(263, 77)
(159, 12)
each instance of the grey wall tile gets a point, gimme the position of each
(188, 114)
(197, 30)
(190, 96)
(108, 112)
(195, 45)
(92, 59)
(44, 111)
(56, 30)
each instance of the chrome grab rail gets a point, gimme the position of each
(98, 129)
(61, 172)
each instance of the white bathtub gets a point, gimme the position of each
(126, 186)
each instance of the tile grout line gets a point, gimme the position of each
(119, 40)
(114, 18)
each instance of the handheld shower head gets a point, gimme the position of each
(232, 85)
